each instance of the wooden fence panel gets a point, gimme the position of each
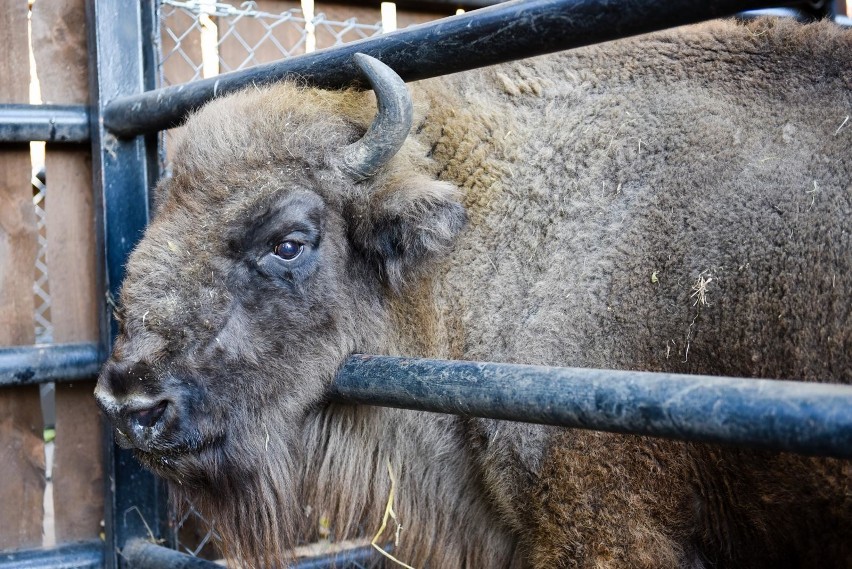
(21, 443)
(59, 46)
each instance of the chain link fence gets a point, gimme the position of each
(41, 284)
(236, 37)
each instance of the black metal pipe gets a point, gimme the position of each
(355, 558)
(122, 39)
(141, 554)
(794, 13)
(79, 555)
(28, 365)
(505, 32)
(51, 123)
(807, 418)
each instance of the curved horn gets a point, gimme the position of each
(383, 139)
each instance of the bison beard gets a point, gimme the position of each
(251, 502)
(674, 202)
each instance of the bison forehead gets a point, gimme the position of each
(234, 137)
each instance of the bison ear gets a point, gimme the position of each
(408, 226)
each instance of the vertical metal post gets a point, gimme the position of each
(135, 501)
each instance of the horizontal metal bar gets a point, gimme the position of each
(355, 558)
(51, 123)
(772, 12)
(514, 30)
(141, 554)
(807, 418)
(28, 365)
(799, 14)
(80, 555)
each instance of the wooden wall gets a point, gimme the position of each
(21, 449)
(59, 48)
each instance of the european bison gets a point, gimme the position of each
(679, 201)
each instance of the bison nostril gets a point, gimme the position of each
(148, 417)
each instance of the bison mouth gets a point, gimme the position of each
(179, 459)
(166, 431)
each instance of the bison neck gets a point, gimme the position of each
(359, 459)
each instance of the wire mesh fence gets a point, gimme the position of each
(202, 38)
(41, 284)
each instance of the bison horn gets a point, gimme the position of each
(362, 159)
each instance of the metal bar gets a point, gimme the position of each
(135, 504)
(772, 12)
(28, 365)
(356, 558)
(51, 123)
(141, 554)
(807, 418)
(505, 32)
(797, 14)
(81, 555)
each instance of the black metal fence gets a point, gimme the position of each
(128, 110)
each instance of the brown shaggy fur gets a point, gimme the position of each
(601, 189)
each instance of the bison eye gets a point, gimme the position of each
(288, 250)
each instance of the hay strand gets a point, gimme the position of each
(389, 513)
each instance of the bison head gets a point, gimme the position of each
(282, 231)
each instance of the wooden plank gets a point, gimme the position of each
(59, 45)
(21, 467)
(21, 445)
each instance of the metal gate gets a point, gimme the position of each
(122, 123)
